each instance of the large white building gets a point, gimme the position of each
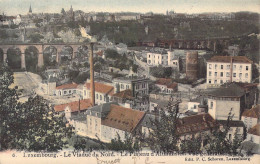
(222, 69)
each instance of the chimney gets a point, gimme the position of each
(92, 83)
(231, 69)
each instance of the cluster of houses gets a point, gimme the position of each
(126, 106)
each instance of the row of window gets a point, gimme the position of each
(228, 67)
(166, 57)
(228, 74)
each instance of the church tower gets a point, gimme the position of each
(30, 10)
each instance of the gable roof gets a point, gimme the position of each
(122, 118)
(126, 94)
(68, 86)
(255, 130)
(195, 123)
(227, 59)
(168, 82)
(253, 112)
(227, 91)
(74, 106)
(102, 88)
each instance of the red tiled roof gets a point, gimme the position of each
(167, 82)
(227, 59)
(196, 123)
(74, 106)
(255, 130)
(102, 88)
(253, 112)
(122, 118)
(68, 86)
(126, 94)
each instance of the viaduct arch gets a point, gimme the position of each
(40, 48)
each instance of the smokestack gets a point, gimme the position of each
(92, 83)
(231, 69)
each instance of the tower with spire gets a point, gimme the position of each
(30, 10)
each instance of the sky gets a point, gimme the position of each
(14, 7)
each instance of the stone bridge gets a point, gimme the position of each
(189, 44)
(40, 47)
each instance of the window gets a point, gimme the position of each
(229, 136)
(209, 73)
(221, 81)
(216, 74)
(221, 67)
(211, 105)
(216, 66)
(209, 81)
(227, 74)
(100, 97)
(69, 91)
(210, 66)
(234, 74)
(137, 86)
(122, 86)
(215, 82)
(65, 92)
(221, 74)
(96, 96)
(127, 86)
(246, 68)
(246, 75)
(228, 66)
(240, 75)
(234, 66)
(149, 56)
(74, 91)
(240, 67)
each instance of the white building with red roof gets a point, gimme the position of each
(66, 89)
(251, 116)
(103, 92)
(166, 86)
(222, 69)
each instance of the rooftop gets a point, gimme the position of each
(253, 112)
(126, 94)
(227, 59)
(255, 130)
(102, 88)
(168, 82)
(122, 118)
(68, 86)
(227, 91)
(74, 106)
(195, 123)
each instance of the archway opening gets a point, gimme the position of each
(14, 58)
(1, 56)
(49, 56)
(66, 54)
(31, 58)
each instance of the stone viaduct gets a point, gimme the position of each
(40, 47)
(189, 44)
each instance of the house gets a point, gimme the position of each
(79, 122)
(193, 105)
(73, 107)
(103, 92)
(106, 121)
(66, 89)
(157, 58)
(138, 85)
(251, 116)
(53, 73)
(253, 134)
(223, 100)
(126, 98)
(222, 69)
(166, 86)
(121, 121)
(157, 104)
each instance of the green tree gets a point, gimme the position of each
(35, 38)
(8, 105)
(191, 146)
(129, 144)
(164, 136)
(112, 54)
(219, 143)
